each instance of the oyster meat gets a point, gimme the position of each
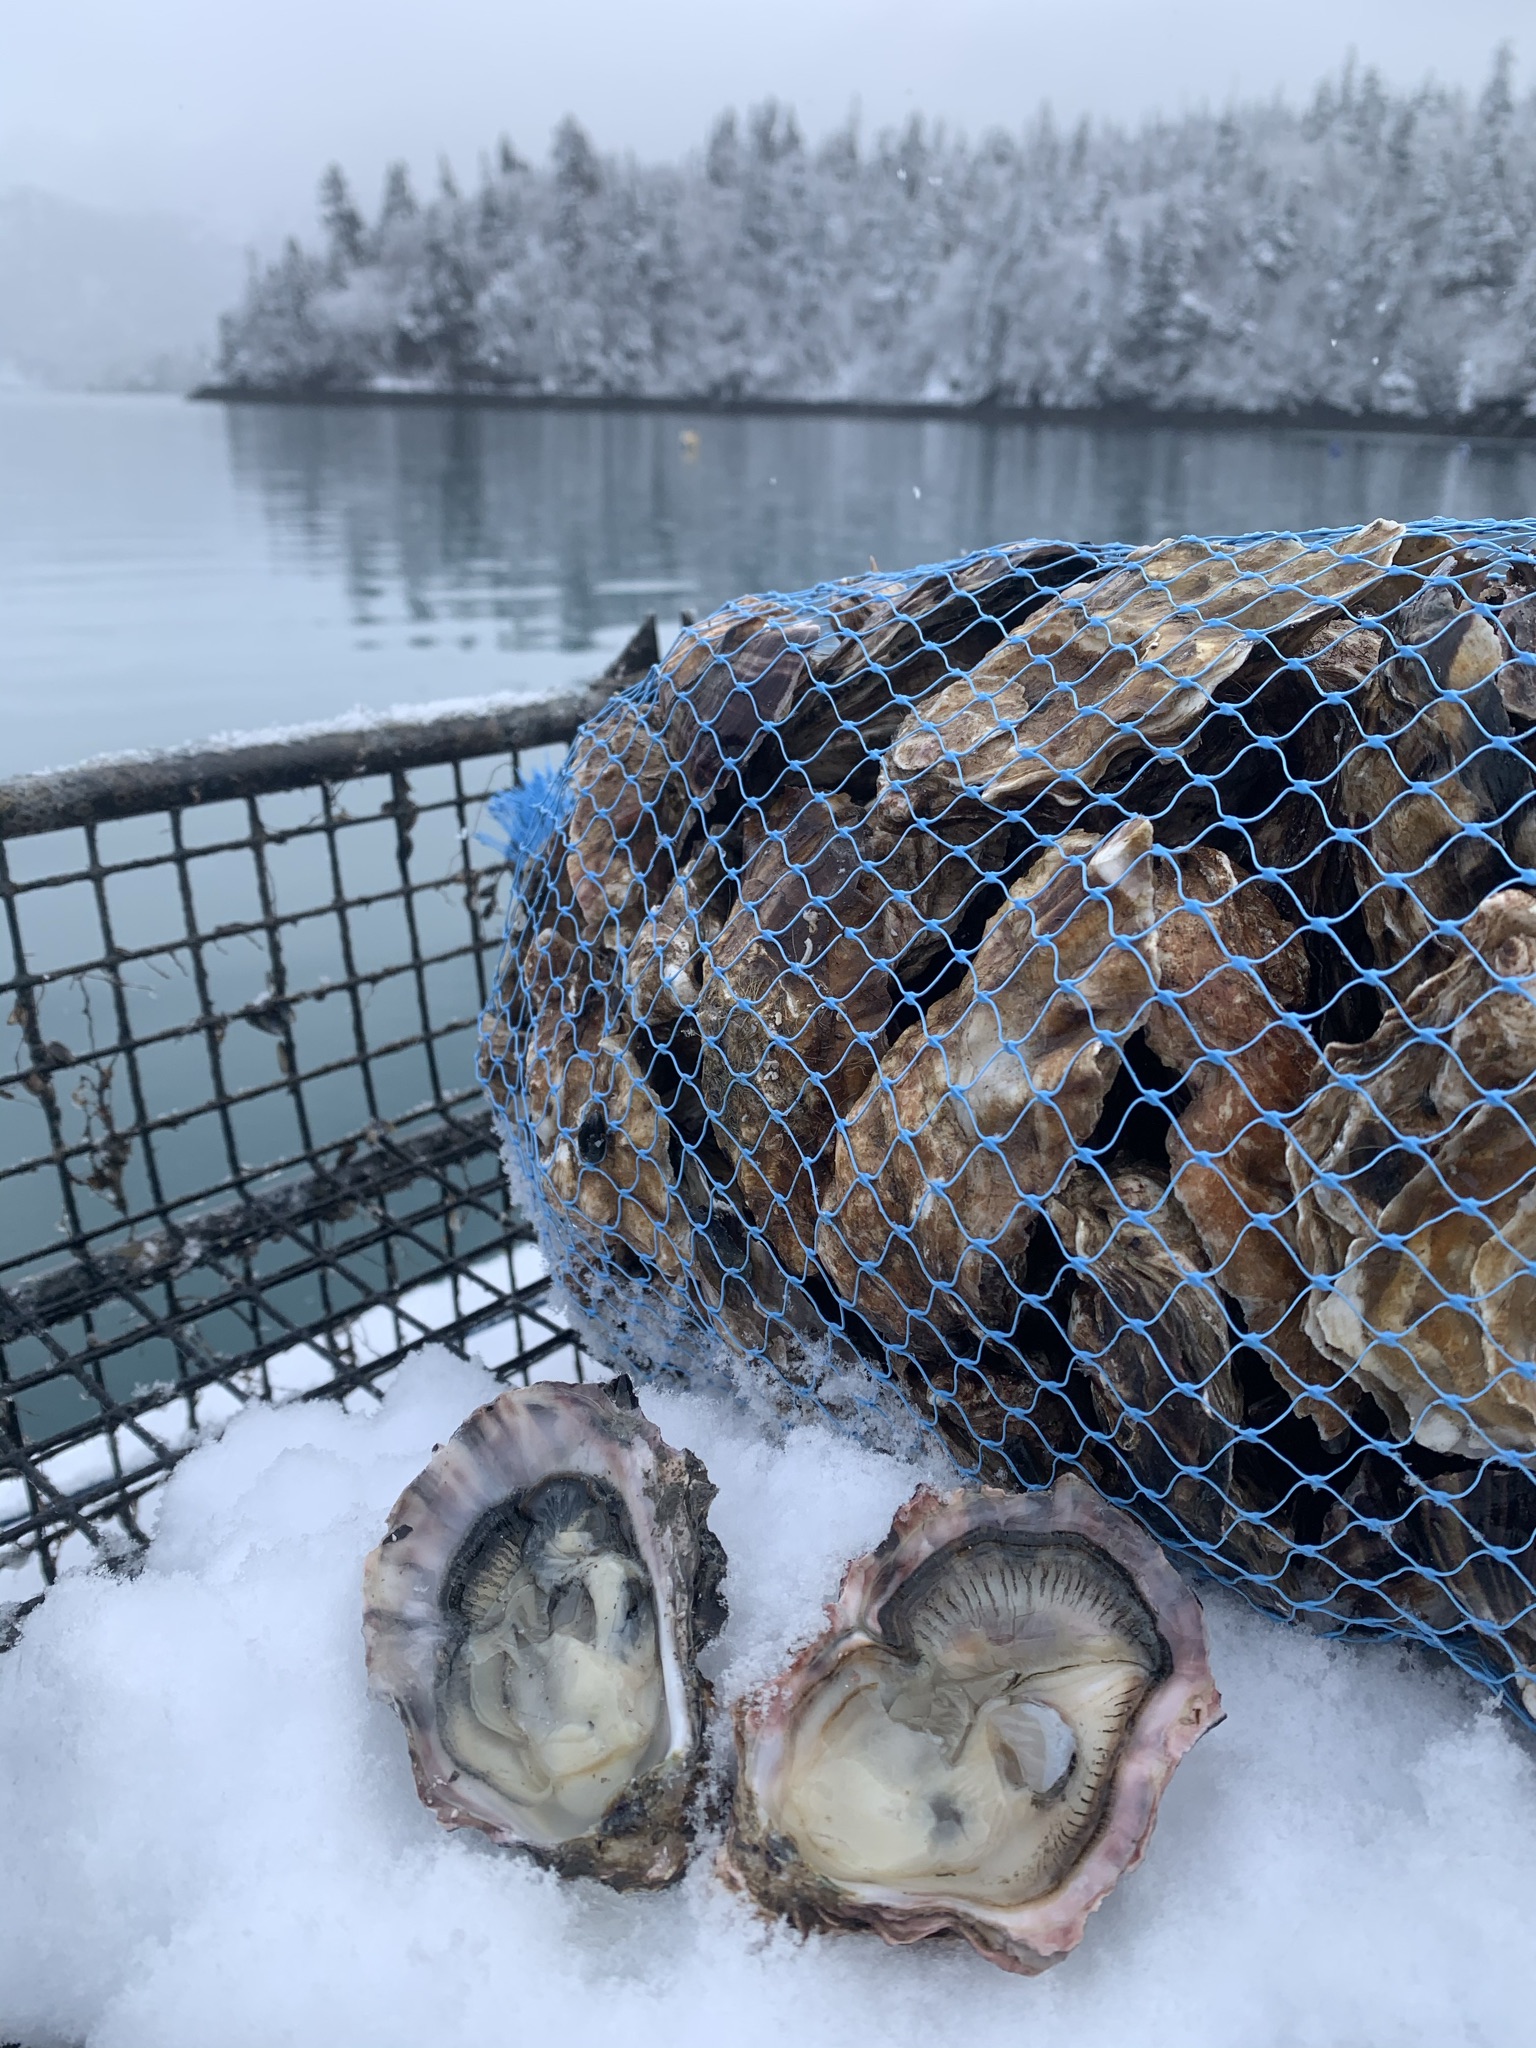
(535, 1614)
(978, 1743)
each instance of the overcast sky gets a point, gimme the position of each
(228, 114)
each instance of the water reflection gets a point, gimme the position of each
(543, 528)
(170, 570)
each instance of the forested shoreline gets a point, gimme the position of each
(1371, 255)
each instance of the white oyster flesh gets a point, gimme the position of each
(553, 1690)
(972, 1752)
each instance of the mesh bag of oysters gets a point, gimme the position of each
(1084, 1000)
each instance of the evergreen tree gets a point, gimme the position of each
(440, 325)
(578, 182)
(399, 199)
(722, 156)
(343, 224)
(773, 132)
(1488, 242)
(577, 169)
(1372, 251)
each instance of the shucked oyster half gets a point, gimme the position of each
(978, 1743)
(535, 1614)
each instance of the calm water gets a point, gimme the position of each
(170, 570)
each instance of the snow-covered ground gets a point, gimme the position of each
(210, 1833)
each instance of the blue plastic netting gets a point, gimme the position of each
(1089, 996)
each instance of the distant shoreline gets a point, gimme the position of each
(1495, 424)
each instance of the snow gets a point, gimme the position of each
(428, 1307)
(360, 719)
(211, 1833)
(605, 644)
(1371, 254)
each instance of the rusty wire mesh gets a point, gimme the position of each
(242, 1151)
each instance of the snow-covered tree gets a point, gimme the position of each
(1372, 253)
(344, 226)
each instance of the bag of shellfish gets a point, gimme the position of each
(1082, 1003)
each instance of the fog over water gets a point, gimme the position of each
(171, 106)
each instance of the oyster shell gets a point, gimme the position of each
(978, 1743)
(1416, 1173)
(1476, 1528)
(977, 1108)
(628, 803)
(1437, 800)
(791, 996)
(1150, 1334)
(1118, 667)
(1233, 977)
(535, 1614)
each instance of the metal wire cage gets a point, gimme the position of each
(242, 1152)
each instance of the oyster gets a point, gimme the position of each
(665, 959)
(535, 1614)
(788, 1004)
(1233, 977)
(978, 1107)
(1113, 669)
(978, 1743)
(1149, 1333)
(1476, 1528)
(1436, 800)
(1416, 1173)
(629, 803)
(605, 1146)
